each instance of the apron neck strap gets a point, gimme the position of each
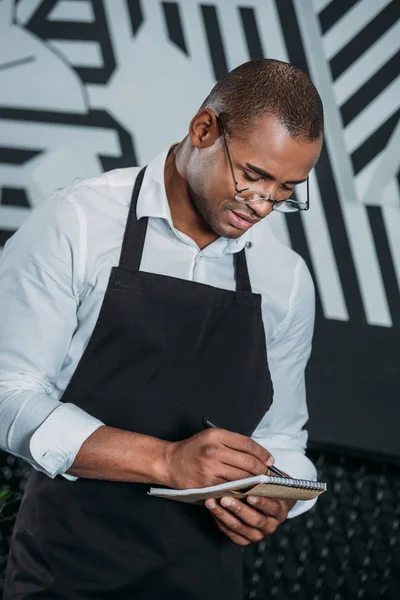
(241, 272)
(135, 231)
(135, 234)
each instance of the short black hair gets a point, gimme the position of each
(268, 87)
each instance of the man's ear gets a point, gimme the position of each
(204, 129)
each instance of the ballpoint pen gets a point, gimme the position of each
(207, 423)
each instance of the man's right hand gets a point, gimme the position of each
(210, 457)
(214, 456)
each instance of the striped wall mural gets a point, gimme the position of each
(90, 85)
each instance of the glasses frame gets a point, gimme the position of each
(274, 201)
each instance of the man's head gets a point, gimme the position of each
(272, 118)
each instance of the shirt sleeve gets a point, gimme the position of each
(39, 295)
(281, 430)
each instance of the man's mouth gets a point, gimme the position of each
(241, 221)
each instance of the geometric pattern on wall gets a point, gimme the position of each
(112, 82)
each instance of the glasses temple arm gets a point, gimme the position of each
(228, 153)
(308, 193)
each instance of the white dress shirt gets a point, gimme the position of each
(53, 275)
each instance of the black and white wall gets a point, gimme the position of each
(90, 85)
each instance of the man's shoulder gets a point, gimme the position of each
(91, 215)
(112, 186)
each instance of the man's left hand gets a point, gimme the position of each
(251, 520)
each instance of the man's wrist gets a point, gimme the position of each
(160, 464)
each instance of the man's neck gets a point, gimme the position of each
(185, 216)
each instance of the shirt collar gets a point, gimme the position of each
(153, 202)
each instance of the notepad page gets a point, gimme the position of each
(242, 484)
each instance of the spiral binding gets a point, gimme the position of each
(297, 483)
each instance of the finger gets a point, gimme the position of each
(235, 537)
(234, 524)
(231, 473)
(242, 443)
(248, 515)
(248, 464)
(275, 509)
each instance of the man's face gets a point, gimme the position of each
(269, 148)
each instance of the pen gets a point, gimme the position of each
(207, 423)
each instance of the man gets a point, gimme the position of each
(134, 304)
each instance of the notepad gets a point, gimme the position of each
(268, 486)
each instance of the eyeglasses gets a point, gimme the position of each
(251, 196)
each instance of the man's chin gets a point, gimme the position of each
(221, 226)
(228, 231)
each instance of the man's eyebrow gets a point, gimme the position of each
(263, 173)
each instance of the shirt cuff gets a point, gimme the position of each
(55, 444)
(298, 466)
(301, 507)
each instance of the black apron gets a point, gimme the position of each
(164, 352)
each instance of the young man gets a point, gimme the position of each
(132, 305)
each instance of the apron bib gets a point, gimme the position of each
(164, 352)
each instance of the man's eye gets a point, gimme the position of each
(248, 178)
(287, 189)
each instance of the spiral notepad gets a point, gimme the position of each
(269, 486)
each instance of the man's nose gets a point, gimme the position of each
(262, 208)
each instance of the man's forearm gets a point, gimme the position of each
(118, 455)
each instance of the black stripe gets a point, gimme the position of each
(97, 31)
(329, 193)
(135, 14)
(65, 30)
(339, 238)
(103, 37)
(370, 90)
(364, 39)
(251, 32)
(94, 118)
(299, 244)
(385, 261)
(46, 29)
(14, 197)
(5, 235)
(374, 144)
(333, 12)
(174, 25)
(215, 45)
(291, 33)
(16, 156)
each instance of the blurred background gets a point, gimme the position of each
(92, 85)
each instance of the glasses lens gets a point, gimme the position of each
(289, 206)
(250, 196)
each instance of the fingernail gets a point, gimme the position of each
(226, 501)
(252, 499)
(270, 461)
(211, 504)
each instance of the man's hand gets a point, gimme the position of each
(244, 524)
(214, 456)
